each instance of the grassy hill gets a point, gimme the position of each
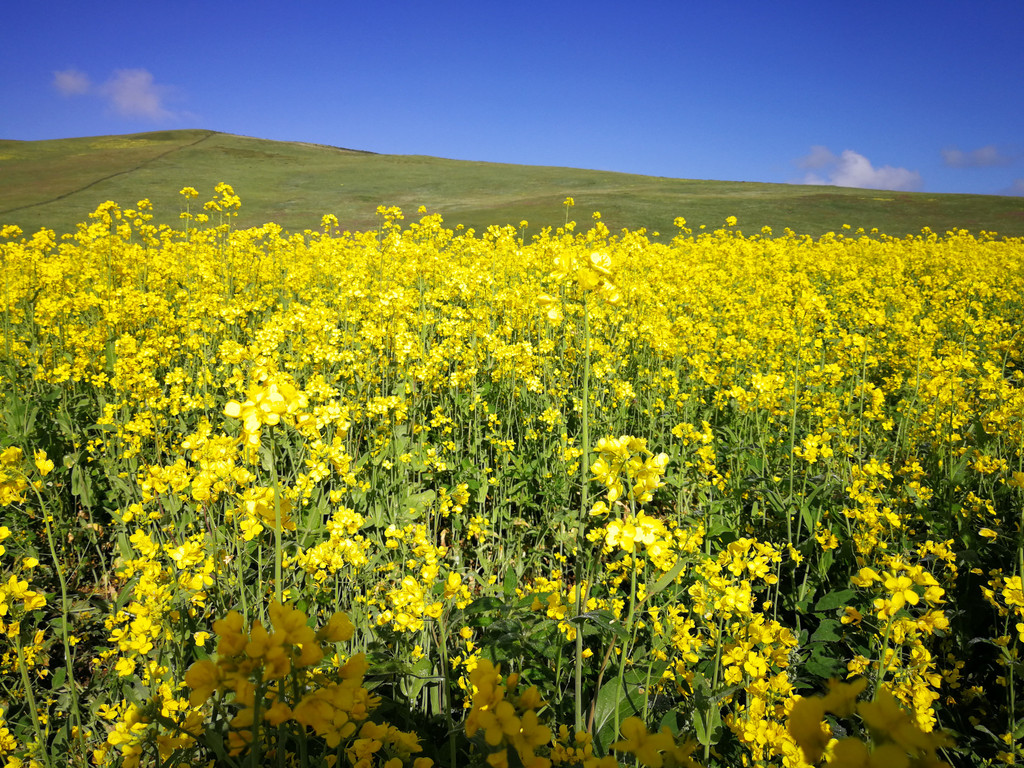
(57, 183)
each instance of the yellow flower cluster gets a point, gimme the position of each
(896, 739)
(655, 750)
(508, 720)
(267, 400)
(13, 482)
(15, 600)
(268, 677)
(591, 275)
(1006, 595)
(638, 535)
(628, 469)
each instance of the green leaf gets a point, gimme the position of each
(476, 611)
(610, 698)
(510, 584)
(670, 721)
(482, 604)
(721, 529)
(708, 725)
(667, 578)
(416, 678)
(827, 558)
(826, 632)
(805, 516)
(81, 486)
(603, 620)
(834, 599)
(419, 501)
(266, 458)
(823, 666)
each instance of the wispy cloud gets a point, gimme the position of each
(989, 156)
(128, 92)
(1016, 189)
(818, 158)
(71, 82)
(133, 93)
(852, 169)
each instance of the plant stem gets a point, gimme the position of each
(580, 538)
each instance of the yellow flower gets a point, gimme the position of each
(601, 263)
(453, 585)
(842, 697)
(645, 746)
(233, 637)
(338, 629)
(807, 727)
(11, 456)
(43, 464)
(865, 577)
(885, 717)
(203, 677)
(1013, 591)
(851, 615)
(902, 591)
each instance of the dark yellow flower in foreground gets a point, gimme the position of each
(203, 677)
(646, 746)
(338, 629)
(231, 632)
(841, 699)
(852, 753)
(807, 727)
(887, 719)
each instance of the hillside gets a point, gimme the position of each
(57, 183)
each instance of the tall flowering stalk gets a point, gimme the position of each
(268, 400)
(590, 277)
(631, 473)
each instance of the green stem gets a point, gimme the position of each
(580, 537)
(447, 698)
(278, 590)
(883, 666)
(714, 689)
(75, 714)
(863, 393)
(631, 631)
(31, 699)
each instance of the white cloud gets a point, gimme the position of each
(851, 169)
(1016, 189)
(128, 92)
(819, 157)
(71, 82)
(133, 93)
(988, 156)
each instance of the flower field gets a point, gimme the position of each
(418, 497)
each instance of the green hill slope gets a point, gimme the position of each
(57, 183)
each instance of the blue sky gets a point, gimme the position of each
(912, 95)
